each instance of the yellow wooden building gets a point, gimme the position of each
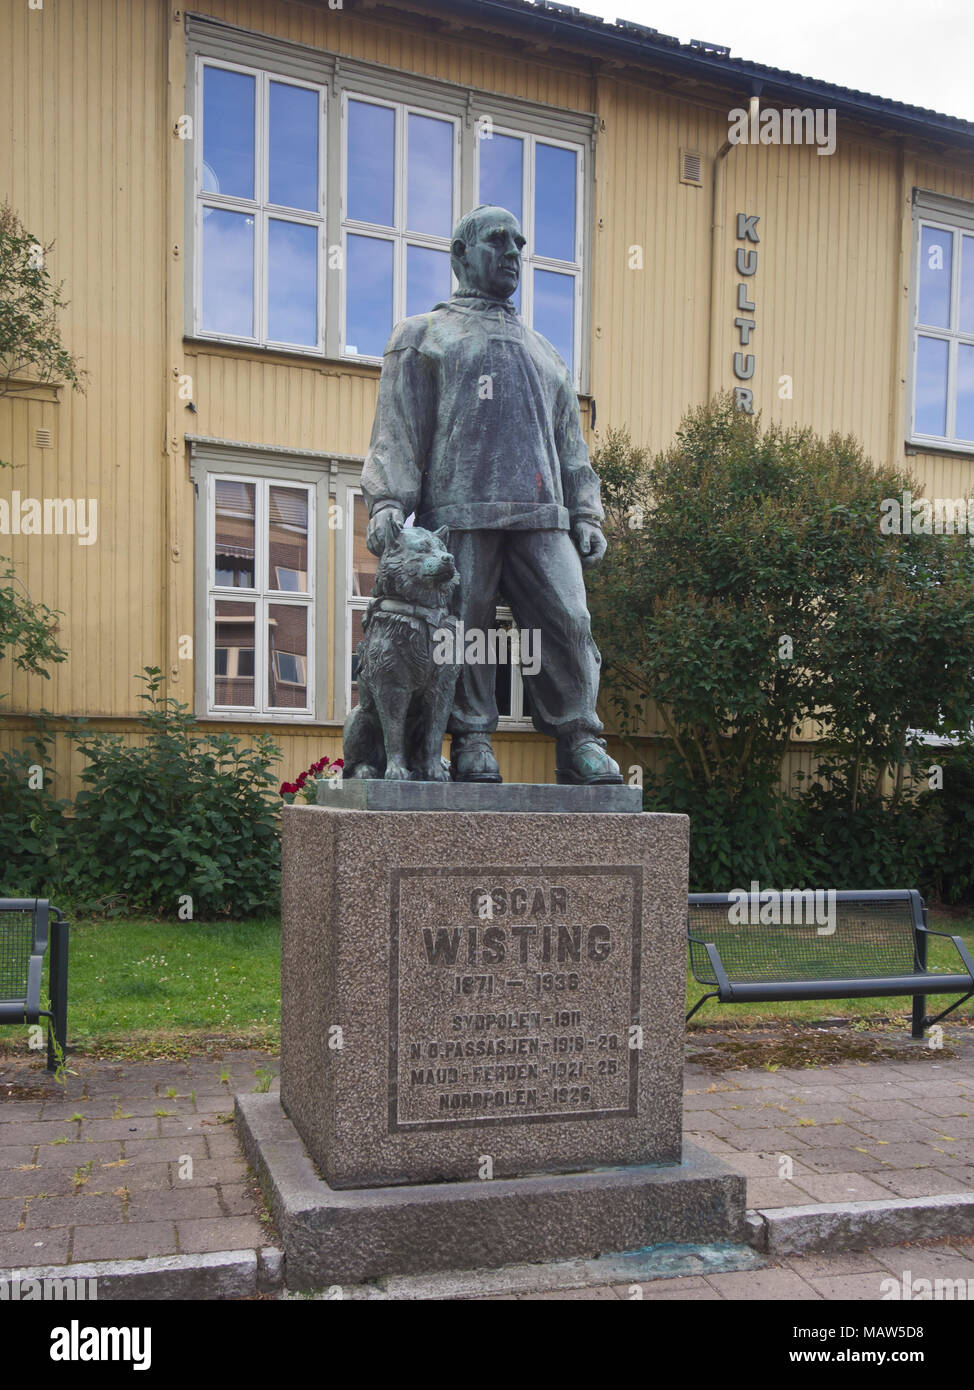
(244, 199)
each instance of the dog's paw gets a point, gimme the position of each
(437, 773)
(397, 772)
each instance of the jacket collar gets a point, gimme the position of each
(480, 303)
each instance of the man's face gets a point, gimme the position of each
(493, 260)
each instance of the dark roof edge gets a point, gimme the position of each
(751, 78)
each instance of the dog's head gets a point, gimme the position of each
(416, 567)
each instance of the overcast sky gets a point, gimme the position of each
(917, 51)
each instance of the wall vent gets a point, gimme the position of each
(42, 439)
(691, 167)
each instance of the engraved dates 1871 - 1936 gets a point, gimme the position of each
(513, 995)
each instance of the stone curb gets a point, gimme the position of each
(222, 1274)
(832, 1226)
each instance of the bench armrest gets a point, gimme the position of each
(716, 964)
(960, 945)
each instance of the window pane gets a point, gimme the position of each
(965, 390)
(427, 278)
(967, 286)
(936, 255)
(287, 649)
(368, 296)
(554, 311)
(293, 152)
(371, 162)
(429, 182)
(228, 273)
(364, 562)
(233, 644)
(228, 132)
(931, 404)
(357, 616)
(233, 557)
(554, 202)
(502, 173)
(288, 539)
(292, 282)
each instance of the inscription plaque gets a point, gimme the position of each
(514, 995)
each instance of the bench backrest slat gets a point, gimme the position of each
(16, 945)
(873, 935)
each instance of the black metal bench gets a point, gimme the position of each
(25, 925)
(878, 947)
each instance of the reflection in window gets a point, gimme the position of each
(287, 647)
(233, 650)
(368, 295)
(293, 147)
(260, 541)
(228, 131)
(401, 206)
(260, 148)
(233, 543)
(539, 182)
(943, 384)
(292, 287)
(228, 273)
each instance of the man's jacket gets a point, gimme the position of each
(477, 425)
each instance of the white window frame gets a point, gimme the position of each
(261, 596)
(399, 234)
(956, 217)
(260, 207)
(212, 41)
(530, 260)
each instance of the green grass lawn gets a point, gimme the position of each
(139, 984)
(141, 988)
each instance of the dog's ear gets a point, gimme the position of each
(393, 529)
(443, 534)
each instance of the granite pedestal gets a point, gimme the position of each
(482, 1033)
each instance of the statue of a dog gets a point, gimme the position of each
(405, 696)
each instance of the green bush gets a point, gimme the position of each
(32, 823)
(751, 588)
(951, 869)
(180, 815)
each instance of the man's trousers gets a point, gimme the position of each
(539, 575)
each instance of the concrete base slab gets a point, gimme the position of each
(345, 1237)
(859, 1225)
(368, 794)
(627, 1267)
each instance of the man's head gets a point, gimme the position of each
(486, 251)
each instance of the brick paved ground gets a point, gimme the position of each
(855, 1131)
(126, 1160)
(136, 1159)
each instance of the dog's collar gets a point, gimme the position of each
(434, 616)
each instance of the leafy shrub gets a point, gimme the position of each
(32, 823)
(180, 813)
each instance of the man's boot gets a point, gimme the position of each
(472, 759)
(581, 760)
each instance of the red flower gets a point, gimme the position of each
(287, 789)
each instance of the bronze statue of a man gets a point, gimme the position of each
(477, 429)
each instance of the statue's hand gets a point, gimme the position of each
(589, 542)
(377, 535)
